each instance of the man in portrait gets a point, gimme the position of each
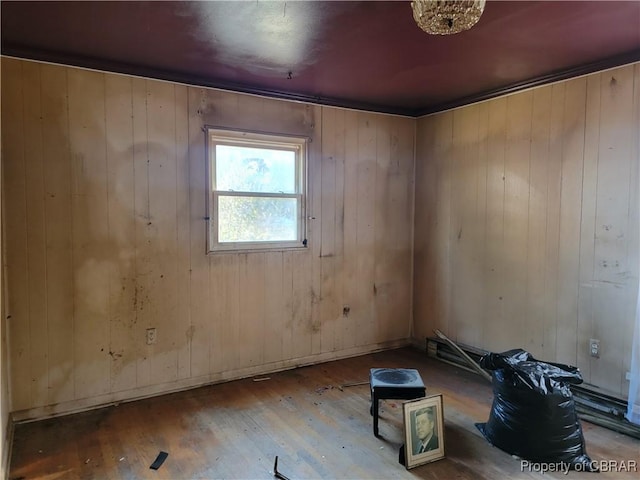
(426, 431)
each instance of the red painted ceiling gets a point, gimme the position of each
(359, 54)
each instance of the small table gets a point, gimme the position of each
(393, 383)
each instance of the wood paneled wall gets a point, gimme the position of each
(526, 231)
(526, 234)
(5, 427)
(105, 233)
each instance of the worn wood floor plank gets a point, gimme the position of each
(317, 429)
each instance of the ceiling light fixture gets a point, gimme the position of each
(444, 17)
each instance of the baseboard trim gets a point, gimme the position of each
(115, 398)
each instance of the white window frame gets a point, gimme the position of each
(221, 136)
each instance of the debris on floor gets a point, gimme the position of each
(320, 390)
(276, 473)
(157, 463)
(354, 384)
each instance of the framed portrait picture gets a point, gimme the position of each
(423, 430)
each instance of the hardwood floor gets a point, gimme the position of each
(318, 430)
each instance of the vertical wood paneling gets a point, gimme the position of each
(588, 224)
(36, 237)
(301, 297)
(13, 138)
(350, 321)
(161, 235)
(119, 231)
(200, 289)
(329, 306)
(312, 122)
(183, 234)
(462, 235)
(274, 307)
(424, 279)
(396, 257)
(251, 300)
(482, 166)
(633, 237)
(533, 333)
(339, 141)
(560, 251)
(286, 332)
(106, 232)
(403, 187)
(573, 131)
(141, 218)
(106, 236)
(494, 242)
(442, 228)
(611, 270)
(226, 319)
(516, 208)
(121, 221)
(218, 329)
(59, 264)
(552, 227)
(365, 228)
(90, 232)
(393, 211)
(4, 370)
(383, 248)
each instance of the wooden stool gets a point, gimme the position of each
(393, 383)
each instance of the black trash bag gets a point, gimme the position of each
(533, 414)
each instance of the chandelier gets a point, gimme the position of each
(444, 17)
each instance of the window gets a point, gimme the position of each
(256, 191)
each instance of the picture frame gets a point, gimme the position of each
(423, 430)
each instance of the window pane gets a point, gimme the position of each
(246, 169)
(257, 219)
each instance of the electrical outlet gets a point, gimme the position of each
(151, 336)
(594, 348)
(627, 376)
